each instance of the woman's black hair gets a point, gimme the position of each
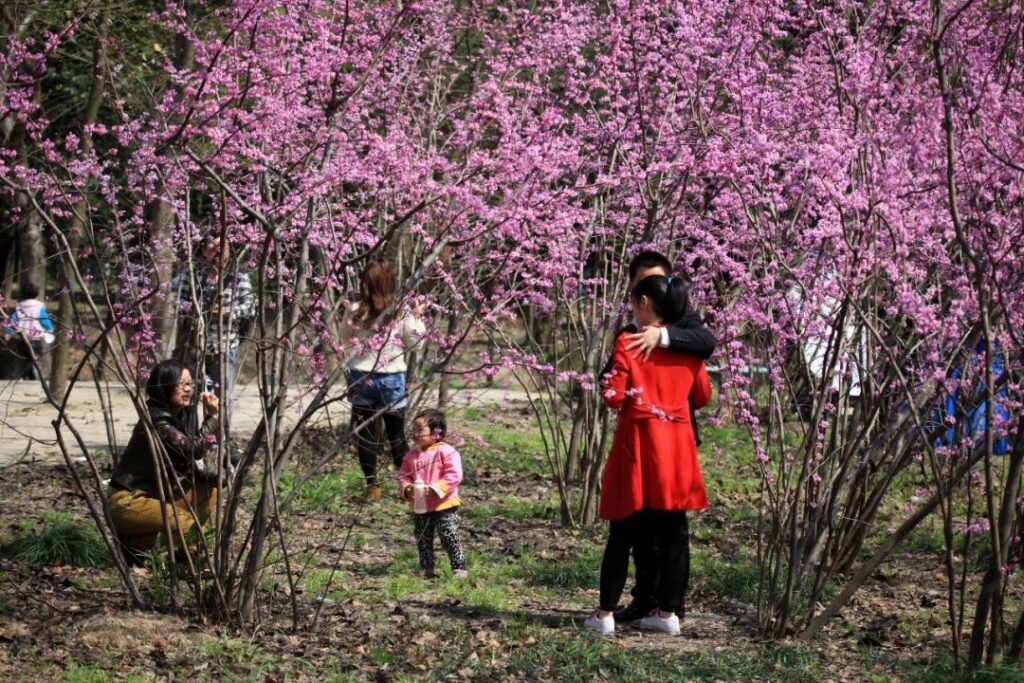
(163, 380)
(435, 420)
(669, 296)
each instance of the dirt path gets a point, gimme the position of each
(26, 420)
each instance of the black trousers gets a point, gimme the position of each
(667, 568)
(615, 563)
(17, 358)
(645, 574)
(368, 438)
(446, 524)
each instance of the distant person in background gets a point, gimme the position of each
(380, 335)
(189, 489)
(28, 330)
(228, 309)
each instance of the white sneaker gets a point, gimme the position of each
(655, 622)
(604, 626)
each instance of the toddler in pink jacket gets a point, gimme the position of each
(429, 479)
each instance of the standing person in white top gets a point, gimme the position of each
(380, 335)
(29, 326)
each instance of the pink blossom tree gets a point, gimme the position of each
(841, 183)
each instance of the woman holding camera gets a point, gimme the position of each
(151, 492)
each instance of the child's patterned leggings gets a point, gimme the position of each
(446, 522)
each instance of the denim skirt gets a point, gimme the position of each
(376, 389)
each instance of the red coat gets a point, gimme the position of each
(653, 462)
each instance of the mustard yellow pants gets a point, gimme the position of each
(141, 519)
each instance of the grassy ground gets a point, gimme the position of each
(516, 618)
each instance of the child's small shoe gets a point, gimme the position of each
(460, 574)
(424, 573)
(602, 625)
(656, 622)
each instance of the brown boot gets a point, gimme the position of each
(373, 492)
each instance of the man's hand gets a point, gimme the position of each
(644, 341)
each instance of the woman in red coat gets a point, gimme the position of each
(652, 476)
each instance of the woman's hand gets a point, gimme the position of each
(644, 341)
(210, 402)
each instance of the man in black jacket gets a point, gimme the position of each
(686, 335)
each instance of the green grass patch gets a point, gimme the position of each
(929, 537)
(78, 673)
(731, 470)
(519, 449)
(103, 580)
(518, 509)
(944, 672)
(472, 413)
(768, 662)
(235, 659)
(572, 656)
(490, 585)
(230, 651)
(580, 571)
(735, 579)
(330, 492)
(315, 581)
(60, 540)
(85, 674)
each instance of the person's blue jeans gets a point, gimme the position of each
(377, 389)
(226, 387)
(370, 392)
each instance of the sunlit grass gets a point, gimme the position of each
(60, 540)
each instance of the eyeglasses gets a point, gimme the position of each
(187, 385)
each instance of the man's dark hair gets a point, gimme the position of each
(649, 259)
(435, 420)
(27, 290)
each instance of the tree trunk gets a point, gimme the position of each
(31, 253)
(65, 313)
(443, 387)
(160, 218)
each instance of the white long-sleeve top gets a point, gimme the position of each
(381, 348)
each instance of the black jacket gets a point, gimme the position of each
(690, 336)
(687, 335)
(185, 445)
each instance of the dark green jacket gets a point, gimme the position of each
(185, 450)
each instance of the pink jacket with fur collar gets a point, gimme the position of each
(440, 468)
